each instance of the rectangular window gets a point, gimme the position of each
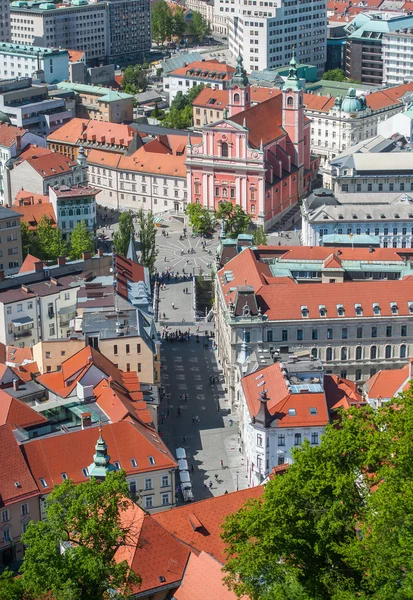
(299, 335)
(20, 308)
(138, 348)
(315, 334)
(269, 336)
(6, 536)
(139, 367)
(284, 335)
(259, 439)
(388, 331)
(314, 438)
(165, 499)
(297, 439)
(5, 516)
(374, 332)
(51, 329)
(165, 481)
(281, 440)
(148, 501)
(24, 509)
(148, 484)
(329, 334)
(115, 349)
(344, 333)
(127, 349)
(359, 332)
(403, 332)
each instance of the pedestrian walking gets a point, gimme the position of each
(216, 477)
(173, 305)
(210, 484)
(222, 464)
(192, 468)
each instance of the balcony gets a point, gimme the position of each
(22, 327)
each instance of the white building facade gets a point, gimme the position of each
(23, 61)
(397, 50)
(265, 33)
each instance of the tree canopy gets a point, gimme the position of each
(80, 240)
(335, 75)
(126, 229)
(147, 239)
(49, 241)
(179, 115)
(200, 218)
(162, 22)
(259, 236)
(134, 79)
(338, 524)
(236, 219)
(199, 26)
(71, 554)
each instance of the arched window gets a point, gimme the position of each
(373, 352)
(387, 352)
(403, 351)
(314, 352)
(237, 98)
(224, 149)
(253, 193)
(329, 354)
(253, 209)
(359, 353)
(344, 354)
(290, 101)
(224, 193)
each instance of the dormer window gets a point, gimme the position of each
(359, 310)
(117, 465)
(304, 311)
(133, 463)
(394, 308)
(291, 412)
(323, 310)
(340, 310)
(376, 308)
(85, 472)
(43, 482)
(151, 460)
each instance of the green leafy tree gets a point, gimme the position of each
(178, 23)
(81, 240)
(11, 587)
(71, 554)
(237, 221)
(50, 243)
(200, 218)
(29, 243)
(199, 26)
(147, 239)
(126, 230)
(162, 22)
(179, 115)
(259, 237)
(338, 524)
(134, 79)
(335, 75)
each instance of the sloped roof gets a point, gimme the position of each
(51, 164)
(213, 99)
(27, 371)
(17, 356)
(203, 578)
(118, 405)
(151, 551)
(199, 525)
(17, 413)
(76, 55)
(341, 393)
(16, 481)
(32, 214)
(30, 198)
(264, 121)
(70, 132)
(8, 134)
(50, 456)
(386, 383)
(210, 65)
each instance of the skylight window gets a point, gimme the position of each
(133, 463)
(304, 311)
(376, 308)
(151, 460)
(394, 308)
(359, 310)
(64, 476)
(43, 482)
(117, 465)
(291, 412)
(410, 304)
(313, 410)
(85, 472)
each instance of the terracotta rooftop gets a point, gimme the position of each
(290, 410)
(318, 103)
(213, 99)
(33, 151)
(30, 260)
(78, 131)
(264, 121)
(16, 481)
(50, 165)
(25, 197)
(126, 271)
(385, 384)
(203, 578)
(18, 356)
(32, 213)
(76, 55)
(27, 371)
(50, 456)
(205, 70)
(8, 134)
(151, 551)
(198, 525)
(17, 413)
(341, 393)
(118, 405)
(388, 97)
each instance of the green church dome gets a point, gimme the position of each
(352, 103)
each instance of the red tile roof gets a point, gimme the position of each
(118, 405)
(27, 371)
(151, 551)
(17, 413)
(332, 262)
(8, 134)
(25, 197)
(341, 393)
(49, 457)
(210, 513)
(70, 132)
(213, 99)
(78, 131)
(264, 121)
(280, 400)
(33, 151)
(30, 260)
(210, 65)
(76, 55)
(51, 165)
(388, 97)
(204, 578)
(318, 103)
(127, 270)
(385, 384)
(32, 214)
(261, 94)
(18, 356)
(16, 481)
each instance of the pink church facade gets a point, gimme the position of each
(257, 157)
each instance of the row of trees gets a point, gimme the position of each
(71, 554)
(47, 243)
(237, 221)
(338, 525)
(168, 23)
(147, 236)
(179, 115)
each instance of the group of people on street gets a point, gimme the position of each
(175, 336)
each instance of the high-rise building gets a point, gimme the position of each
(4, 21)
(266, 35)
(111, 31)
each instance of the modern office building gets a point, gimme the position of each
(397, 49)
(110, 31)
(265, 33)
(50, 65)
(4, 21)
(364, 52)
(30, 106)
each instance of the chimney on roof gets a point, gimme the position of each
(38, 266)
(263, 416)
(87, 255)
(86, 419)
(18, 142)
(16, 384)
(100, 251)
(25, 289)
(61, 261)
(54, 281)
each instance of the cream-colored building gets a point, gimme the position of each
(49, 354)
(351, 308)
